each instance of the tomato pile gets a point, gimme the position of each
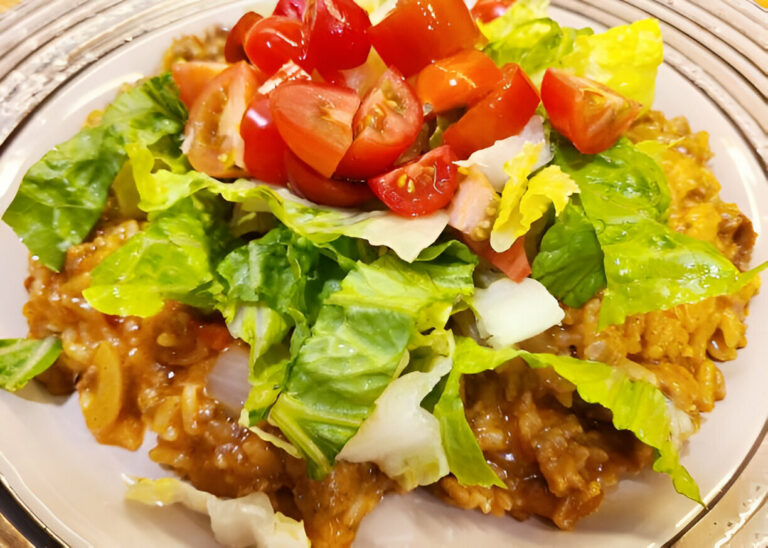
(317, 98)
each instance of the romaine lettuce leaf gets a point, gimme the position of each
(23, 359)
(243, 521)
(174, 258)
(62, 196)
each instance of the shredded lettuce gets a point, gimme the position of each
(62, 196)
(240, 522)
(23, 359)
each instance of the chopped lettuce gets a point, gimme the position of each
(63, 195)
(635, 405)
(239, 522)
(174, 258)
(23, 359)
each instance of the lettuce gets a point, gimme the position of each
(23, 359)
(62, 196)
(174, 258)
(635, 405)
(239, 522)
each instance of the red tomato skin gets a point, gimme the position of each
(308, 183)
(488, 10)
(233, 47)
(336, 34)
(264, 148)
(274, 41)
(459, 80)
(418, 32)
(315, 121)
(291, 8)
(374, 150)
(212, 130)
(501, 114)
(420, 187)
(513, 262)
(191, 77)
(591, 115)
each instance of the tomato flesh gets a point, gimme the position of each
(309, 184)
(419, 187)
(591, 115)
(289, 72)
(386, 124)
(315, 120)
(513, 262)
(212, 133)
(264, 148)
(501, 114)
(418, 32)
(488, 10)
(336, 34)
(274, 41)
(291, 8)
(458, 80)
(191, 77)
(233, 47)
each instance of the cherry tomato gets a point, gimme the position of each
(388, 121)
(513, 262)
(501, 114)
(289, 72)
(336, 34)
(191, 77)
(458, 80)
(212, 132)
(418, 32)
(309, 184)
(488, 10)
(315, 120)
(290, 8)
(233, 47)
(274, 41)
(420, 187)
(264, 148)
(591, 115)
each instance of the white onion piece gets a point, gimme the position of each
(228, 380)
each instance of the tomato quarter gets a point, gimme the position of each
(309, 184)
(456, 81)
(264, 148)
(591, 115)
(420, 187)
(418, 32)
(315, 120)
(513, 262)
(501, 114)
(387, 122)
(233, 47)
(274, 41)
(336, 34)
(212, 133)
(191, 77)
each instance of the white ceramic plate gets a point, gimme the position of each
(73, 485)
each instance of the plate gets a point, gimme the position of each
(74, 486)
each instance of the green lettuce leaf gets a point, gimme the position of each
(23, 359)
(62, 196)
(570, 260)
(174, 258)
(635, 405)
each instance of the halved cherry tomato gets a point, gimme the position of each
(591, 115)
(264, 148)
(388, 121)
(289, 72)
(513, 262)
(191, 77)
(420, 187)
(233, 47)
(290, 8)
(488, 10)
(315, 120)
(212, 132)
(274, 41)
(309, 184)
(336, 34)
(501, 114)
(418, 32)
(458, 80)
